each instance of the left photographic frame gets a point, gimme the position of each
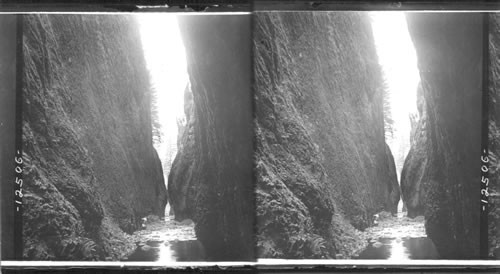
(135, 137)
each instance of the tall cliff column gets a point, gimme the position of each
(412, 183)
(449, 50)
(87, 136)
(216, 179)
(322, 165)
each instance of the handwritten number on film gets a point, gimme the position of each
(484, 181)
(19, 181)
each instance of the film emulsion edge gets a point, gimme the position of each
(18, 214)
(483, 224)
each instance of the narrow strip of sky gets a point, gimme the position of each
(166, 61)
(398, 59)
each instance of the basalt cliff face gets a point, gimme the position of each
(181, 186)
(413, 191)
(494, 134)
(322, 165)
(89, 160)
(445, 160)
(211, 178)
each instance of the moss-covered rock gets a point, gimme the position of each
(86, 135)
(320, 147)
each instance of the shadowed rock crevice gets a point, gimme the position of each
(211, 178)
(441, 173)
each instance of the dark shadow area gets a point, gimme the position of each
(211, 180)
(8, 52)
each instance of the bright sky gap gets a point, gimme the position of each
(397, 57)
(166, 62)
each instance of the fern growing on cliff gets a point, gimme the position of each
(310, 246)
(80, 248)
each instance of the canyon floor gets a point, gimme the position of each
(392, 238)
(398, 238)
(166, 240)
(398, 226)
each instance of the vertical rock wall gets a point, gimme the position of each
(322, 165)
(412, 176)
(494, 134)
(181, 186)
(89, 159)
(446, 159)
(211, 178)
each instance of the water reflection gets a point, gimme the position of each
(421, 248)
(398, 249)
(160, 251)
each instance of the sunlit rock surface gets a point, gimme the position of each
(449, 50)
(413, 191)
(322, 165)
(181, 185)
(211, 180)
(90, 166)
(400, 226)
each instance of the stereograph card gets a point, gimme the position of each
(257, 135)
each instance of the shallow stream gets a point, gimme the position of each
(166, 241)
(399, 238)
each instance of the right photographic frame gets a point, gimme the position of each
(376, 135)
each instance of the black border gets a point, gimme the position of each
(8, 135)
(18, 214)
(483, 216)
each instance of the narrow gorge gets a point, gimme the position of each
(326, 177)
(323, 168)
(282, 151)
(441, 171)
(91, 170)
(95, 184)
